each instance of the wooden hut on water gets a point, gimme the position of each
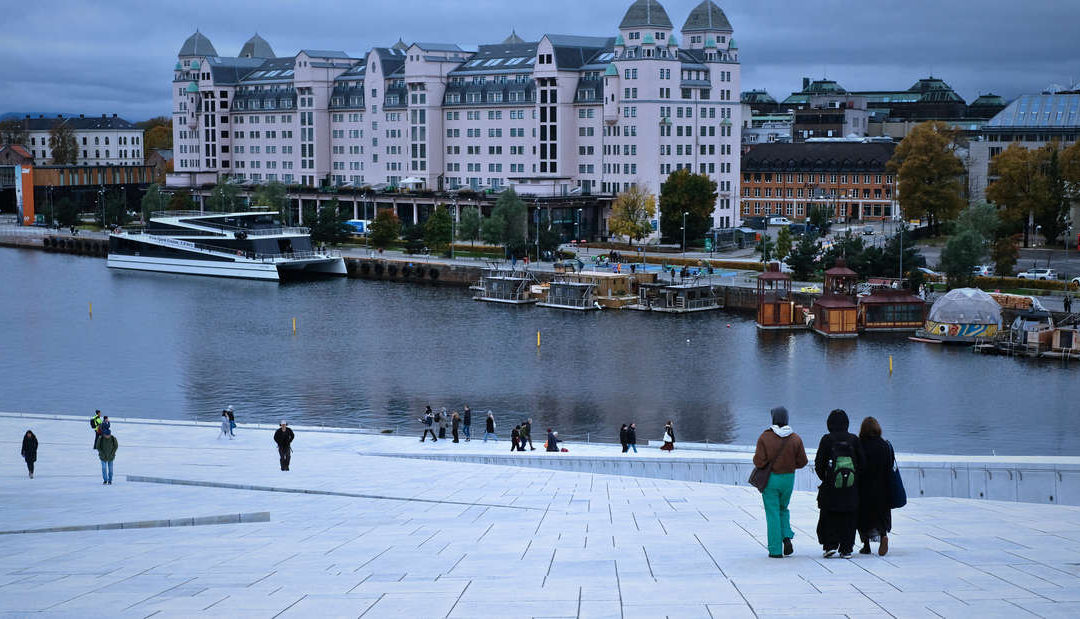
(836, 310)
(776, 308)
(891, 309)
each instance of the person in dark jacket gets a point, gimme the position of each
(552, 440)
(466, 423)
(669, 437)
(106, 448)
(428, 421)
(29, 451)
(838, 465)
(631, 437)
(232, 421)
(455, 421)
(95, 424)
(526, 435)
(514, 435)
(622, 438)
(782, 450)
(284, 438)
(489, 427)
(875, 516)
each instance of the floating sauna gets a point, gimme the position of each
(678, 298)
(891, 309)
(836, 310)
(568, 293)
(776, 308)
(505, 286)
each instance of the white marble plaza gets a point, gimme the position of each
(420, 538)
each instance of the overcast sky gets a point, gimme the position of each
(117, 56)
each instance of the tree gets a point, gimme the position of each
(153, 200)
(469, 223)
(766, 247)
(783, 243)
(181, 201)
(115, 211)
(820, 215)
(275, 196)
(962, 253)
(1004, 254)
(438, 229)
(803, 257)
(12, 131)
(632, 214)
(982, 217)
(414, 238)
(385, 228)
(224, 198)
(66, 212)
(930, 177)
(507, 224)
(549, 237)
(157, 137)
(1036, 187)
(65, 150)
(693, 194)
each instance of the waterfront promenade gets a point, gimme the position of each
(389, 536)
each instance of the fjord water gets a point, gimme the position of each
(374, 354)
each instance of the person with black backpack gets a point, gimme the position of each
(838, 464)
(428, 421)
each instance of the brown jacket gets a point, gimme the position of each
(768, 447)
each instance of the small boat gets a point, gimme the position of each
(247, 245)
(509, 286)
(678, 298)
(1030, 334)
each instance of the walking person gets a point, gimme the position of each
(622, 438)
(669, 437)
(466, 423)
(455, 421)
(552, 440)
(526, 434)
(1067, 303)
(284, 438)
(631, 437)
(875, 499)
(440, 418)
(95, 423)
(224, 425)
(106, 448)
(489, 427)
(232, 421)
(429, 426)
(780, 451)
(514, 435)
(838, 465)
(29, 451)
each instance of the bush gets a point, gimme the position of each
(994, 283)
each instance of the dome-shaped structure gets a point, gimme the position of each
(513, 39)
(256, 47)
(648, 40)
(179, 67)
(194, 65)
(707, 17)
(192, 88)
(611, 70)
(645, 13)
(619, 40)
(197, 45)
(966, 306)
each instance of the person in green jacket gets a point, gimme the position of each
(106, 448)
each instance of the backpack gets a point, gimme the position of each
(842, 469)
(427, 420)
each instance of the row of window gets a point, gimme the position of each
(757, 192)
(767, 177)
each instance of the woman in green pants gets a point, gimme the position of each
(781, 450)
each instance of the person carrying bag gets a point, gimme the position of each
(778, 455)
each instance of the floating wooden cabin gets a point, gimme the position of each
(891, 309)
(590, 289)
(678, 298)
(505, 286)
(1030, 334)
(776, 308)
(1065, 343)
(568, 293)
(836, 311)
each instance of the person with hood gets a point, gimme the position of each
(669, 437)
(441, 419)
(631, 437)
(489, 427)
(781, 451)
(284, 438)
(622, 438)
(466, 423)
(552, 440)
(514, 435)
(29, 451)
(106, 448)
(875, 515)
(838, 465)
(526, 434)
(428, 420)
(232, 420)
(455, 421)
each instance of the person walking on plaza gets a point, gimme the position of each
(224, 425)
(455, 421)
(466, 423)
(622, 438)
(489, 427)
(1067, 303)
(838, 465)
(106, 448)
(284, 438)
(526, 434)
(631, 437)
(779, 451)
(29, 451)
(515, 434)
(552, 440)
(429, 426)
(95, 423)
(440, 418)
(232, 421)
(875, 515)
(669, 437)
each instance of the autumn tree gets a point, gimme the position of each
(693, 194)
(930, 177)
(157, 137)
(1035, 187)
(632, 213)
(62, 143)
(12, 131)
(385, 229)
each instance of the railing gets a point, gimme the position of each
(696, 303)
(225, 251)
(569, 301)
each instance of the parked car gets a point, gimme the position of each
(1038, 274)
(868, 230)
(983, 270)
(779, 221)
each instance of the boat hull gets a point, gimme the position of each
(266, 271)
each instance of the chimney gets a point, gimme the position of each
(82, 116)
(805, 83)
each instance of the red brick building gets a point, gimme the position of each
(848, 177)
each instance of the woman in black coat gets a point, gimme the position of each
(29, 451)
(838, 465)
(875, 516)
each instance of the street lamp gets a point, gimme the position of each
(453, 229)
(684, 234)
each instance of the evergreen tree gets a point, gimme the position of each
(385, 229)
(693, 194)
(438, 230)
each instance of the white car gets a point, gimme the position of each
(1038, 274)
(780, 221)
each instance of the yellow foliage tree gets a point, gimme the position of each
(632, 213)
(930, 177)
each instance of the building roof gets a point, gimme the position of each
(256, 47)
(756, 96)
(400, 45)
(853, 156)
(80, 123)
(513, 39)
(165, 153)
(197, 45)
(707, 17)
(18, 150)
(324, 53)
(645, 13)
(988, 100)
(439, 47)
(1039, 112)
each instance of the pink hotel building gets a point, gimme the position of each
(563, 115)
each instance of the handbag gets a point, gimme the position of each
(759, 477)
(897, 494)
(667, 437)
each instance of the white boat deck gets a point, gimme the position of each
(390, 536)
